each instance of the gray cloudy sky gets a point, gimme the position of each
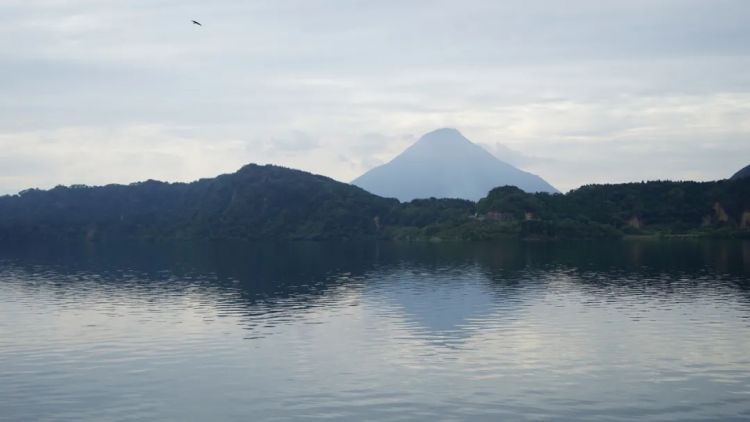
(100, 91)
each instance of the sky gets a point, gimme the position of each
(578, 92)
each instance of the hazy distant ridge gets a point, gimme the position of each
(444, 164)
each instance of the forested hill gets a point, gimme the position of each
(657, 207)
(743, 173)
(269, 202)
(256, 202)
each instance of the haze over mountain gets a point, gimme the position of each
(444, 164)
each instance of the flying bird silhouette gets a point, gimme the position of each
(197, 23)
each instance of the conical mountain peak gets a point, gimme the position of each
(444, 134)
(445, 164)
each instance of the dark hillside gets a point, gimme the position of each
(255, 202)
(745, 172)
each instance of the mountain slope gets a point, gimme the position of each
(276, 203)
(256, 202)
(745, 172)
(444, 164)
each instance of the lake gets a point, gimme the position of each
(618, 330)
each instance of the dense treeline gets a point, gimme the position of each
(257, 202)
(658, 207)
(269, 202)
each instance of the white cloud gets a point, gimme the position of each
(582, 91)
(113, 155)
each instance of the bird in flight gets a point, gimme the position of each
(197, 23)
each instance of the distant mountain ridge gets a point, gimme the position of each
(277, 203)
(445, 164)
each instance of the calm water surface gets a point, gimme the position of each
(650, 330)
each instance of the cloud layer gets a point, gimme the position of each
(578, 92)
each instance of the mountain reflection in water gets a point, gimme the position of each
(375, 331)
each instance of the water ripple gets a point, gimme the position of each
(376, 334)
